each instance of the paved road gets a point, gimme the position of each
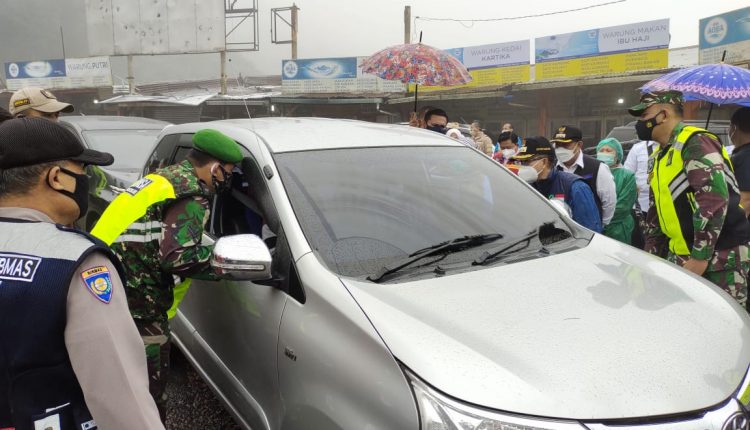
(192, 405)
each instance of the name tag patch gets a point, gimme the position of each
(18, 267)
(138, 186)
(99, 282)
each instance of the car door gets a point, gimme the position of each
(230, 328)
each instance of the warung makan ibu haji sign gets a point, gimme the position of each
(496, 64)
(623, 48)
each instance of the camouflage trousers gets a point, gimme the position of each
(728, 269)
(155, 337)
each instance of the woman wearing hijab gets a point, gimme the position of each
(609, 152)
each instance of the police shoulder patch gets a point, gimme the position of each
(99, 282)
(138, 186)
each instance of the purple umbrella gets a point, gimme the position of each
(715, 83)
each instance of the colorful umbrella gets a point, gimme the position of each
(715, 83)
(418, 64)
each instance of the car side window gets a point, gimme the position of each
(164, 152)
(249, 209)
(181, 154)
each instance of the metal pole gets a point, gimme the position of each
(294, 30)
(416, 91)
(62, 40)
(407, 24)
(711, 108)
(131, 78)
(416, 87)
(223, 72)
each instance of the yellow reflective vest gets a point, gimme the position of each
(674, 198)
(119, 223)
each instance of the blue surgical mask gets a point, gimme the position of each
(606, 158)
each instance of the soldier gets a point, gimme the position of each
(694, 219)
(155, 228)
(71, 355)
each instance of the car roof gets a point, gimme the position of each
(111, 122)
(305, 134)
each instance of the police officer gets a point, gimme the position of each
(538, 160)
(695, 219)
(71, 356)
(37, 102)
(155, 228)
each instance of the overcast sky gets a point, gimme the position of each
(30, 29)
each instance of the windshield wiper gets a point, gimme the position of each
(484, 258)
(547, 233)
(447, 247)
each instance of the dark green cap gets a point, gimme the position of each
(217, 145)
(655, 98)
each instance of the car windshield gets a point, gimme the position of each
(129, 147)
(363, 209)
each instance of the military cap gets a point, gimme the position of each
(534, 147)
(655, 98)
(567, 134)
(217, 145)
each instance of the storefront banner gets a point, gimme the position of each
(495, 64)
(618, 49)
(728, 32)
(332, 75)
(70, 73)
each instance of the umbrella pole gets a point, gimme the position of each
(416, 87)
(710, 109)
(416, 90)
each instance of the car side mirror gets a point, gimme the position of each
(241, 257)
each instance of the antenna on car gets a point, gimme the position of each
(244, 100)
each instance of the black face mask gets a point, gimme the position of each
(437, 129)
(221, 187)
(81, 193)
(645, 128)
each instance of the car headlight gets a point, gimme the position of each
(438, 412)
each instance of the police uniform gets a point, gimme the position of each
(155, 228)
(71, 355)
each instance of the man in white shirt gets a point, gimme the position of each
(568, 143)
(637, 162)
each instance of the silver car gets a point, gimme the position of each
(412, 283)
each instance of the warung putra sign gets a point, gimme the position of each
(93, 72)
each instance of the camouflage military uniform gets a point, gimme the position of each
(704, 166)
(164, 244)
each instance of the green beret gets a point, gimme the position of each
(217, 145)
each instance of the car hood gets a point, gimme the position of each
(602, 332)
